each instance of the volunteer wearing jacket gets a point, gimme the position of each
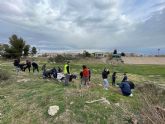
(66, 73)
(85, 75)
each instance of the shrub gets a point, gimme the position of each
(62, 58)
(4, 75)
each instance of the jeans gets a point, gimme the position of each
(105, 83)
(67, 76)
(17, 69)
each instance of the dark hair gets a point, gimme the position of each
(84, 66)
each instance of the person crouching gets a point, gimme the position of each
(125, 88)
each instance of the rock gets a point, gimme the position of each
(71, 103)
(117, 104)
(53, 110)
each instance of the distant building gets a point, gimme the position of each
(116, 55)
(100, 54)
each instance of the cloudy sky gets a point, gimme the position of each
(128, 25)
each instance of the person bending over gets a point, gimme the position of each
(35, 66)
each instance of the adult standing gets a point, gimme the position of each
(16, 65)
(28, 65)
(66, 73)
(105, 74)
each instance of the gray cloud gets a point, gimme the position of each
(84, 24)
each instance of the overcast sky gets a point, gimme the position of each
(85, 24)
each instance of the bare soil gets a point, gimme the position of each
(144, 60)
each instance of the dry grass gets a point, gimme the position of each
(152, 101)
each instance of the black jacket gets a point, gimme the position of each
(105, 74)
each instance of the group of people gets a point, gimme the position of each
(85, 75)
(126, 86)
(23, 66)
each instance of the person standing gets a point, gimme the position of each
(89, 74)
(81, 79)
(28, 65)
(85, 75)
(105, 74)
(125, 78)
(17, 65)
(113, 79)
(66, 73)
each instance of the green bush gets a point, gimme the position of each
(57, 59)
(62, 58)
(4, 75)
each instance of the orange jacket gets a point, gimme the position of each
(86, 72)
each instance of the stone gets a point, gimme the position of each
(53, 110)
(71, 103)
(117, 104)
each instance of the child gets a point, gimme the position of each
(125, 78)
(113, 78)
(85, 77)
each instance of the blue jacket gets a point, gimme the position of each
(125, 88)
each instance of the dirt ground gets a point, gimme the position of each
(144, 60)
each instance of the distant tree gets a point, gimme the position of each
(122, 54)
(158, 51)
(16, 47)
(34, 51)
(86, 54)
(59, 58)
(1, 49)
(115, 51)
(26, 50)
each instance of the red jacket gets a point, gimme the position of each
(86, 72)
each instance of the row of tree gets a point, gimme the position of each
(16, 48)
